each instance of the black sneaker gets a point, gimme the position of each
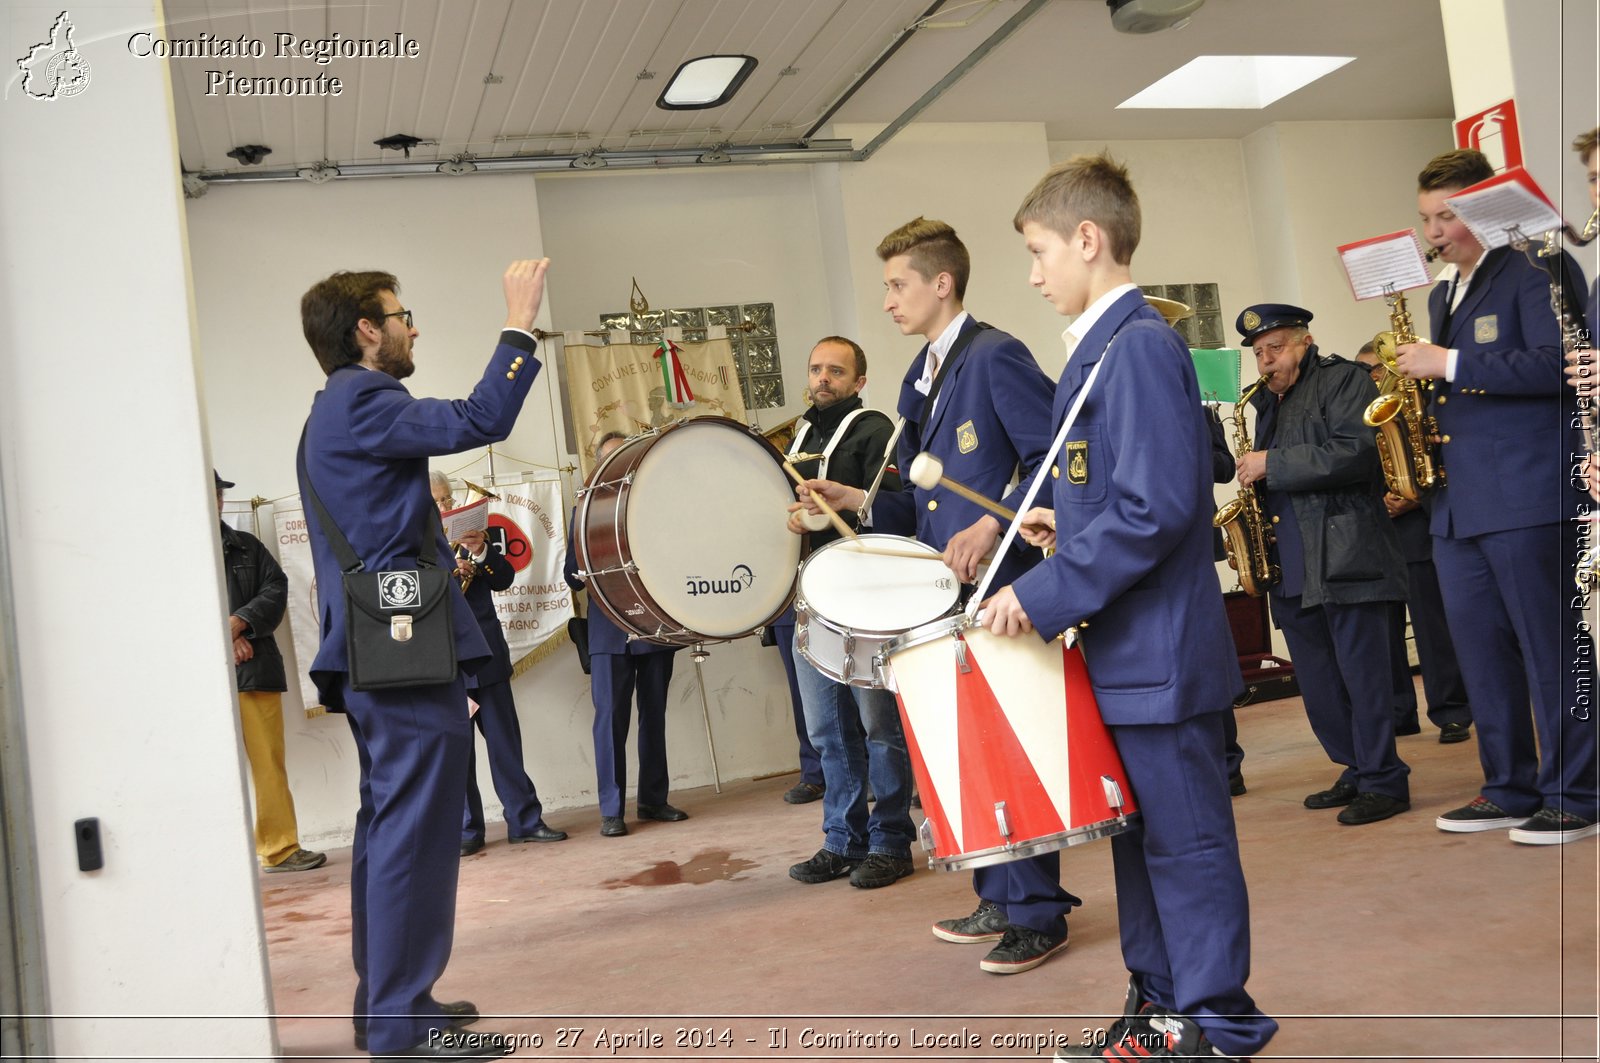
(1550, 826)
(1021, 949)
(986, 923)
(1336, 796)
(880, 869)
(1136, 1012)
(803, 793)
(1161, 1035)
(1477, 815)
(824, 867)
(1371, 807)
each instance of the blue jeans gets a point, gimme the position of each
(850, 763)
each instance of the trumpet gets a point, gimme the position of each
(459, 553)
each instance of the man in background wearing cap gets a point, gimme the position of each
(257, 594)
(1317, 464)
(1506, 437)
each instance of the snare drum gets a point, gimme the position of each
(681, 534)
(851, 602)
(1007, 745)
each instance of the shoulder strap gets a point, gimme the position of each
(342, 551)
(957, 349)
(838, 434)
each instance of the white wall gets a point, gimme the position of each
(125, 673)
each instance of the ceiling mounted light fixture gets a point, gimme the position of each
(716, 155)
(589, 161)
(1150, 16)
(457, 166)
(709, 81)
(250, 154)
(194, 186)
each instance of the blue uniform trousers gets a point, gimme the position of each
(413, 745)
(497, 720)
(614, 678)
(1506, 597)
(1341, 659)
(1442, 685)
(810, 761)
(1181, 898)
(1029, 892)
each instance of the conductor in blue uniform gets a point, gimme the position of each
(365, 453)
(1131, 528)
(1505, 438)
(619, 671)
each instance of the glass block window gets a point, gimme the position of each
(1204, 327)
(752, 332)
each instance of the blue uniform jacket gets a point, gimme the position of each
(1508, 412)
(604, 635)
(367, 446)
(992, 417)
(1133, 508)
(493, 574)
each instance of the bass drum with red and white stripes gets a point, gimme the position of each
(1009, 751)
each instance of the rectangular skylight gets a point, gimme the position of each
(1235, 82)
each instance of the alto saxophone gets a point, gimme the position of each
(1245, 535)
(1411, 461)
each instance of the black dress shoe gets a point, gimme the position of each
(663, 813)
(612, 826)
(1236, 784)
(1452, 733)
(459, 1012)
(1340, 794)
(1371, 807)
(543, 834)
(471, 845)
(1407, 727)
(457, 1044)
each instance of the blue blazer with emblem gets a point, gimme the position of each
(1508, 412)
(367, 445)
(1133, 528)
(992, 417)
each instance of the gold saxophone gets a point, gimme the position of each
(1411, 461)
(1245, 535)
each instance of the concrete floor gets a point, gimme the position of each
(1391, 941)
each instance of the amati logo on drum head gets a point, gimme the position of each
(398, 590)
(741, 579)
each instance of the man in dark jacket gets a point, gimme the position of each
(1342, 569)
(257, 594)
(482, 572)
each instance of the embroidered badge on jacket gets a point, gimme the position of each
(967, 438)
(1486, 329)
(1077, 461)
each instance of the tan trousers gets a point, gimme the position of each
(261, 719)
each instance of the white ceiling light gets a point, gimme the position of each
(1151, 16)
(1235, 82)
(708, 81)
(320, 174)
(458, 166)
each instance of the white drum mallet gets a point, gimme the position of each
(927, 472)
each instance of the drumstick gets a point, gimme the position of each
(927, 472)
(833, 516)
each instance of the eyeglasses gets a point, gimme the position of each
(402, 313)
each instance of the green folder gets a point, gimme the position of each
(1218, 372)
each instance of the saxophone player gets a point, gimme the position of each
(1342, 572)
(1504, 419)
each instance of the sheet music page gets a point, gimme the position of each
(1503, 206)
(1383, 264)
(473, 517)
